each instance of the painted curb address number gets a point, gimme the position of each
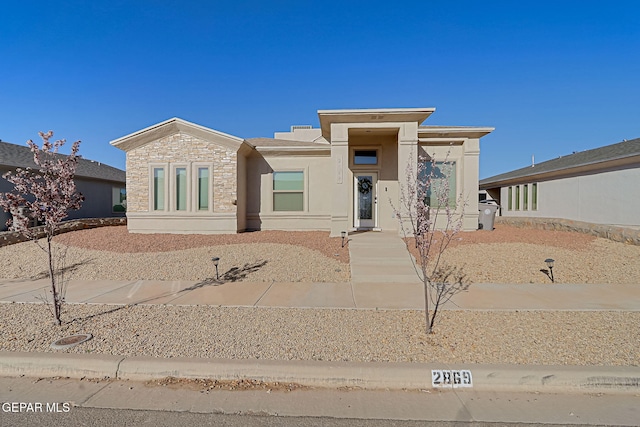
(451, 378)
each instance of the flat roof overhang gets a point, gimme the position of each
(376, 115)
(436, 132)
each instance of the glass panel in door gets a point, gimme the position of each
(365, 200)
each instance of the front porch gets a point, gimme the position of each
(373, 152)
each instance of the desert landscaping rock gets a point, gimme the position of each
(284, 263)
(506, 255)
(526, 337)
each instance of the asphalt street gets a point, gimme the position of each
(105, 402)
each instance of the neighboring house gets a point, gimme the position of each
(600, 186)
(102, 186)
(343, 176)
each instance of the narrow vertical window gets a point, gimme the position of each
(158, 189)
(534, 197)
(510, 202)
(525, 197)
(517, 197)
(181, 189)
(203, 189)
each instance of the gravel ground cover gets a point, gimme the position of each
(110, 253)
(506, 255)
(510, 255)
(545, 338)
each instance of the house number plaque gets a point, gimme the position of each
(339, 170)
(441, 378)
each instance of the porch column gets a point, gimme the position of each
(407, 161)
(470, 190)
(341, 179)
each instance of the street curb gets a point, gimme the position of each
(58, 365)
(371, 375)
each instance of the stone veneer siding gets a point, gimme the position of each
(182, 148)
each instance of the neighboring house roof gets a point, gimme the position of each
(615, 155)
(20, 156)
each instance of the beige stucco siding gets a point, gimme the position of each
(317, 192)
(242, 194)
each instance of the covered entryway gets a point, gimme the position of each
(365, 200)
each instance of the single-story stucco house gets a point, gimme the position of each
(599, 186)
(342, 176)
(103, 186)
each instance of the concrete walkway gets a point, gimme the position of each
(382, 274)
(383, 277)
(356, 295)
(380, 257)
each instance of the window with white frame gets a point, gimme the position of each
(525, 197)
(180, 175)
(534, 196)
(158, 195)
(288, 191)
(510, 198)
(181, 187)
(203, 177)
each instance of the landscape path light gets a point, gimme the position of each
(343, 234)
(216, 260)
(550, 262)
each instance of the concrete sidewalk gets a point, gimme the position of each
(382, 277)
(354, 295)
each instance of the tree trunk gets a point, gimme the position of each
(425, 283)
(54, 288)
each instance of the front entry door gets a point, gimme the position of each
(365, 200)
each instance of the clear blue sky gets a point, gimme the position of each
(551, 76)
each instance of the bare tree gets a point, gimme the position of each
(45, 196)
(430, 217)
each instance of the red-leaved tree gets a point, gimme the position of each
(45, 195)
(430, 217)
